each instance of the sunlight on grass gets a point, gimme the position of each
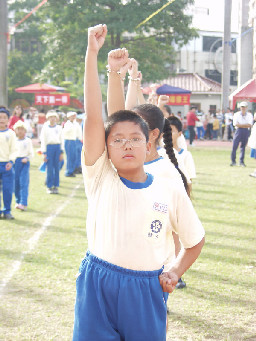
(219, 301)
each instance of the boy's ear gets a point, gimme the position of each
(154, 134)
(148, 147)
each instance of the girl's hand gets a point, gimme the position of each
(45, 158)
(133, 70)
(117, 59)
(24, 160)
(8, 166)
(96, 37)
(168, 281)
(61, 157)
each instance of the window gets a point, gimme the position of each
(212, 109)
(216, 76)
(213, 43)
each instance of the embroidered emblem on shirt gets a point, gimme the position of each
(155, 229)
(160, 207)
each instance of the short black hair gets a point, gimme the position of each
(175, 121)
(152, 115)
(126, 116)
(3, 109)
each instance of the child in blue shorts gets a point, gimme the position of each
(22, 165)
(8, 150)
(121, 287)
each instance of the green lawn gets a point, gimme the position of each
(219, 302)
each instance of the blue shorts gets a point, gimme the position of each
(117, 304)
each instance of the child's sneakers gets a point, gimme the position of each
(49, 190)
(181, 284)
(55, 190)
(20, 207)
(8, 216)
(52, 190)
(253, 174)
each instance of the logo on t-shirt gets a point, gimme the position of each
(160, 207)
(155, 229)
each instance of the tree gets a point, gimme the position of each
(152, 44)
(61, 28)
(25, 61)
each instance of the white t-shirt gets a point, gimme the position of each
(8, 145)
(51, 135)
(252, 138)
(25, 148)
(132, 227)
(242, 119)
(180, 161)
(185, 158)
(163, 167)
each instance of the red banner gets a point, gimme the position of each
(179, 99)
(52, 99)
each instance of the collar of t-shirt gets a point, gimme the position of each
(138, 185)
(149, 162)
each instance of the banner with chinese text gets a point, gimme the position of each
(179, 99)
(52, 99)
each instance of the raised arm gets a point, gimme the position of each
(141, 99)
(132, 92)
(94, 132)
(117, 59)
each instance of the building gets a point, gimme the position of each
(205, 93)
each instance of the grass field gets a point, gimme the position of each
(41, 250)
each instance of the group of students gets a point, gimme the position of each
(138, 204)
(16, 151)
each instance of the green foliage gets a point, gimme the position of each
(61, 28)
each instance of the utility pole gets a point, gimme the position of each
(3, 52)
(226, 54)
(245, 44)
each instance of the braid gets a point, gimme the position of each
(168, 145)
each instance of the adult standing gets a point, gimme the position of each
(41, 119)
(191, 122)
(242, 122)
(16, 116)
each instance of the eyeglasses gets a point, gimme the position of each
(134, 142)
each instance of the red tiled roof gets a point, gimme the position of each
(193, 82)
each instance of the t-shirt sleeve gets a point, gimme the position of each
(185, 222)
(94, 175)
(190, 165)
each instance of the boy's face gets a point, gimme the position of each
(52, 120)
(3, 120)
(127, 157)
(175, 134)
(20, 132)
(72, 118)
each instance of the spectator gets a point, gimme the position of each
(242, 121)
(16, 116)
(215, 127)
(191, 122)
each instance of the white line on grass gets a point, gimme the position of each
(32, 242)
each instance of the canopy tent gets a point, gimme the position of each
(246, 92)
(38, 88)
(177, 96)
(171, 90)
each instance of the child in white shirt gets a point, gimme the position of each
(22, 165)
(8, 152)
(52, 147)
